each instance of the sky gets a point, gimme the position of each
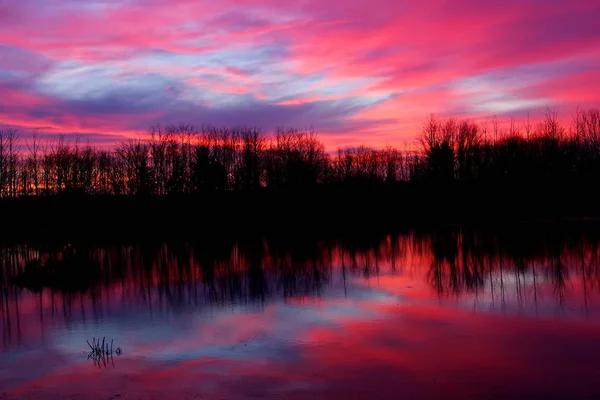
(355, 71)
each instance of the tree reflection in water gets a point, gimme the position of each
(491, 269)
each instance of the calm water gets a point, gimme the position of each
(441, 315)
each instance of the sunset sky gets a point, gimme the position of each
(358, 72)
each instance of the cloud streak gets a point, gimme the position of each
(358, 72)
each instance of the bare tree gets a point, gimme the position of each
(34, 161)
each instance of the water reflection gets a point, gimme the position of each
(525, 271)
(452, 313)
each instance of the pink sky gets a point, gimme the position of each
(358, 72)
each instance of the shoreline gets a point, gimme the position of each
(322, 211)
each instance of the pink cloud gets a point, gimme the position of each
(270, 52)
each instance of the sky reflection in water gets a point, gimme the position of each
(449, 314)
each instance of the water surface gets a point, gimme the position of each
(450, 314)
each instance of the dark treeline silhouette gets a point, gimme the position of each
(184, 159)
(538, 267)
(244, 177)
(521, 153)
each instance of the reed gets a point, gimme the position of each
(101, 352)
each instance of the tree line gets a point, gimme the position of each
(181, 159)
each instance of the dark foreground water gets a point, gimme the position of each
(441, 315)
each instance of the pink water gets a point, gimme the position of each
(444, 316)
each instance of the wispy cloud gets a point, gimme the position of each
(362, 72)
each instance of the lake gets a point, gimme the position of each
(449, 313)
